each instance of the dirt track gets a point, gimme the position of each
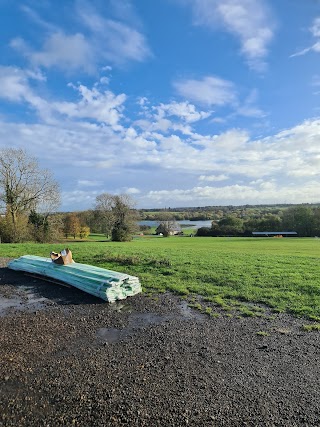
(68, 359)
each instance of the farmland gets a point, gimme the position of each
(238, 274)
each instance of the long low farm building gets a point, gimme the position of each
(274, 234)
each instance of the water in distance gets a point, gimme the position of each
(186, 222)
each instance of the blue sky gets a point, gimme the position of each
(175, 102)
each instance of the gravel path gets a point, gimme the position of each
(69, 359)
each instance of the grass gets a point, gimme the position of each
(97, 237)
(312, 327)
(263, 333)
(240, 273)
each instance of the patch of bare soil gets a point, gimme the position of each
(69, 359)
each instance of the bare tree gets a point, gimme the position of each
(24, 187)
(104, 213)
(117, 214)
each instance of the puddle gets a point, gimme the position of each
(28, 300)
(6, 303)
(189, 313)
(141, 320)
(32, 297)
(111, 335)
(136, 321)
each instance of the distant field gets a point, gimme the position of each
(231, 272)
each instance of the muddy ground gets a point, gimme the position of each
(69, 359)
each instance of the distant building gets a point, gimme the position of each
(170, 228)
(274, 233)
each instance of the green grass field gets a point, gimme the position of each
(232, 272)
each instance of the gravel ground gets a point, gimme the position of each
(69, 359)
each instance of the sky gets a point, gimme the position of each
(174, 102)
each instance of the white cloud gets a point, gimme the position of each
(131, 190)
(213, 178)
(97, 40)
(16, 87)
(226, 142)
(115, 40)
(250, 21)
(104, 107)
(104, 80)
(118, 42)
(65, 51)
(181, 115)
(62, 51)
(208, 91)
(218, 120)
(35, 17)
(250, 108)
(14, 84)
(267, 192)
(315, 47)
(211, 91)
(74, 200)
(315, 28)
(182, 110)
(88, 183)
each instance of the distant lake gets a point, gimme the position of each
(187, 222)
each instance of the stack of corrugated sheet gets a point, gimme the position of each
(106, 284)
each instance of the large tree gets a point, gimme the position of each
(300, 219)
(24, 186)
(72, 225)
(117, 214)
(229, 225)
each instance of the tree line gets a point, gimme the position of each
(215, 213)
(303, 219)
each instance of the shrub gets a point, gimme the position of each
(203, 232)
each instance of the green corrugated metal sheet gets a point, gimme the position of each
(106, 284)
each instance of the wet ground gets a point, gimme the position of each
(69, 359)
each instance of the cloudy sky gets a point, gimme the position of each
(175, 102)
